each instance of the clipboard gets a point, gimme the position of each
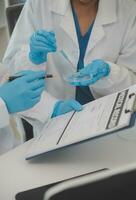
(110, 113)
(133, 105)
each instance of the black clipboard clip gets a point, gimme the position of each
(132, 107)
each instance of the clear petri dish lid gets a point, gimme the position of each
(76, 78)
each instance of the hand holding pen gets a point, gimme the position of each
(24, 92)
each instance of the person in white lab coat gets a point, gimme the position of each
(112, 40)
(19, 95)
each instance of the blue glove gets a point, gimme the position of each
(66, 106)
(91, 73)
(41, 43)
(24, 92)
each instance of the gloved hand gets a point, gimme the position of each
(91, 73)
(66, 106)
(24, 92)
(41, 43)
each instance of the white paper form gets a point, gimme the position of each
(97, 118)
(49, 135)
(87, 123)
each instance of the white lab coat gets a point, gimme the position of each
(7, 139)
(113, 39)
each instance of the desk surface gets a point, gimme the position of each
(109, 151)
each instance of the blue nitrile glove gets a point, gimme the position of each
(66, 106)
(23, 92)
(91, 73)
(41, 43)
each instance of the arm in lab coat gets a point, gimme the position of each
(4, 115)
(123, 72)
(16, 57)
(7, 138)
(40, 113)
(120, 78)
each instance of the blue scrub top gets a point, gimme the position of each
(83, 94)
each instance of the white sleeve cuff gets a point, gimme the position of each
(4, 115)
(41, 111)
(115, 81)
(111, 79)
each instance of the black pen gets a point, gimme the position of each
(11, 78)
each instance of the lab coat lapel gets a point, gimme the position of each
(67, 24)
(70, 47)
(105, 16)
(97, 35)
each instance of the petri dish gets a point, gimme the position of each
(76, 78)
